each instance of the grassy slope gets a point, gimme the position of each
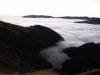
(20, 47)
(84, 58)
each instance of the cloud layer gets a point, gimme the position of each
(74, 34)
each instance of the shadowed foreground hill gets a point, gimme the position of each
(84, 58)
(20, 47)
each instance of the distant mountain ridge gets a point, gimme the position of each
(74, 17)
(38, 16)
(64, 17)
(91, 21)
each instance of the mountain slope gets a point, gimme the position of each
(84, 58)
(20, 47)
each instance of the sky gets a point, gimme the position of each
(89, 8)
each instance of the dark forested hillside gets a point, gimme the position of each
(20, 47)
(83, 58)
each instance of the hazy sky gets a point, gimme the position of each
(51, 7)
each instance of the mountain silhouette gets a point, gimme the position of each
(20, 47)
(38, 16)
(83, 58)
(91, 21)
(63, 17)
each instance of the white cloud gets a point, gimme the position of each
(74, 34)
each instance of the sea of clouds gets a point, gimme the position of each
(75, 34)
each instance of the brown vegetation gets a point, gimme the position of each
(91, 72)
(42, 72)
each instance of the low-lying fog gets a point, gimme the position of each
(75, 34)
